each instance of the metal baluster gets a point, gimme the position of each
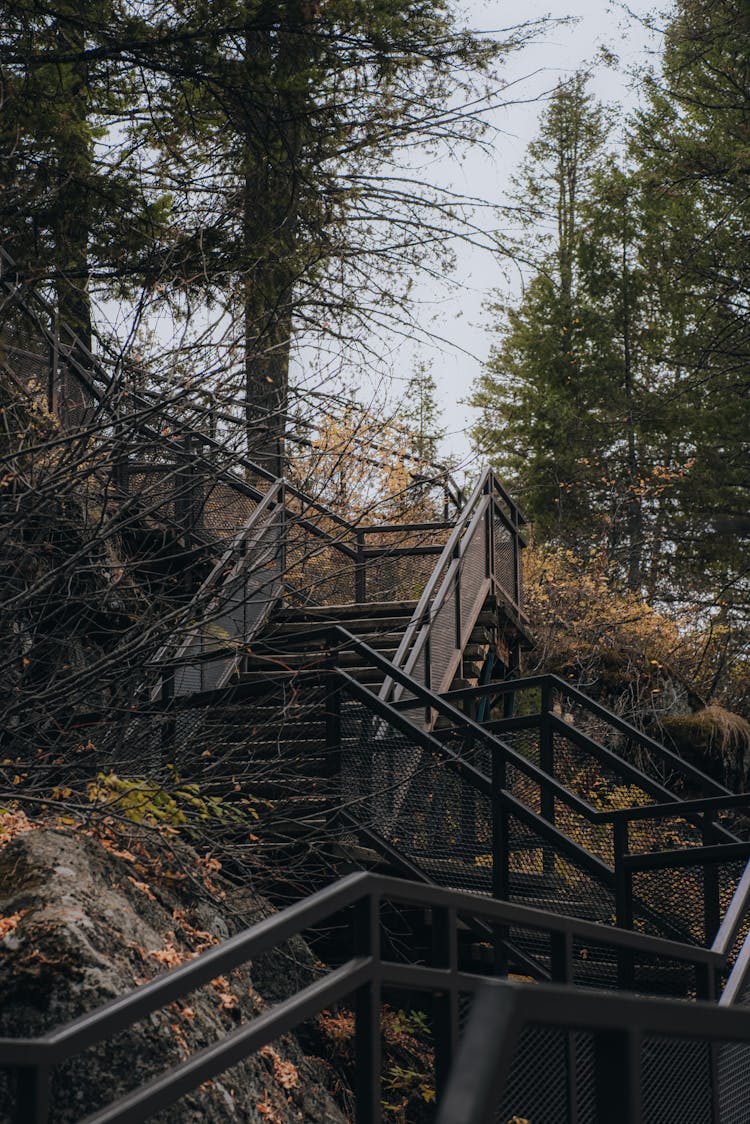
(617, 1060)
(623, 901)
(445, 1006)
(360, 569)
(547, 764)
(334, 764)
(561, 964)
(367, 1048)
(711, 905)
(33, 1095)
(500, 852)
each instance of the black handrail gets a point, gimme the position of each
(210, 598)
(533, 682)
(91, 370)
(619, 1025)
(445, 582)
(679, 807)
(615, 877)
(361, 977)
(430, 700)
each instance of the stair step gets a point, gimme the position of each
(274, 676)
(368, 609)
(357, 625)
(311, 660)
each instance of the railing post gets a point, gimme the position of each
(168, 725)
(428, 675)
(367, 1048)
(333, 768)
(547, 764)
(517, 574)
(623, 901)
(360, 569)
(52, 379)
(490, 541)
(457, 595)
(561, 964)
(445, 1005)
(500, 852)
(617, 1075)
(32, 1095)
(711, 906)
(283, 533)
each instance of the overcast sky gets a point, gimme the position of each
(459, 315)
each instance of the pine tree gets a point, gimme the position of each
(691, 145)
(282, 129)
(534, 398)
(73, 208)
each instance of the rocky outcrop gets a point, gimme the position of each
(85, 917)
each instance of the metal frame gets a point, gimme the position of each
(489, 502)
(359, 980)
(619, 1024)
(724, 846)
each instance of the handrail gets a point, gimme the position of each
(218, 579)
(33, 1057)
(618, 877)
(85, 375)
(446, 576)
(429, 699)
(618, 1023)
(482, 783)
(533, 682)
(734, 916)
(446, 558)
(638, 736)
(679, 807)
(679, 858)
(350, 543)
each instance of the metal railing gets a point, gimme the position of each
(481, 559)
(462, 806)
(517, 825)
(360, 980)
(229, 608)
(647, 1060)
(207, 491)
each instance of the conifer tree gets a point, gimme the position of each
(534, 397)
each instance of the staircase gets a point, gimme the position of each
(360, 685)
(298, 640)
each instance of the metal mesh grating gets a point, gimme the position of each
(676, 1081)
(537, 1090)
(443, 646)
(505, 563)
(473, 572)
(733, 1073)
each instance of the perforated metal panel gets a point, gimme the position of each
(505, 564)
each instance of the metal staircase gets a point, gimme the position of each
(361, 686)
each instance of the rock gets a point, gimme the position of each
(85, 919)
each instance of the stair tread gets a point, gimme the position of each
(362, 609)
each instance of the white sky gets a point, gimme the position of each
(459, 316)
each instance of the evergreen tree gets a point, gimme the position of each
(536, 420)
(73, 209)
(691, 145)
(282, 129)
